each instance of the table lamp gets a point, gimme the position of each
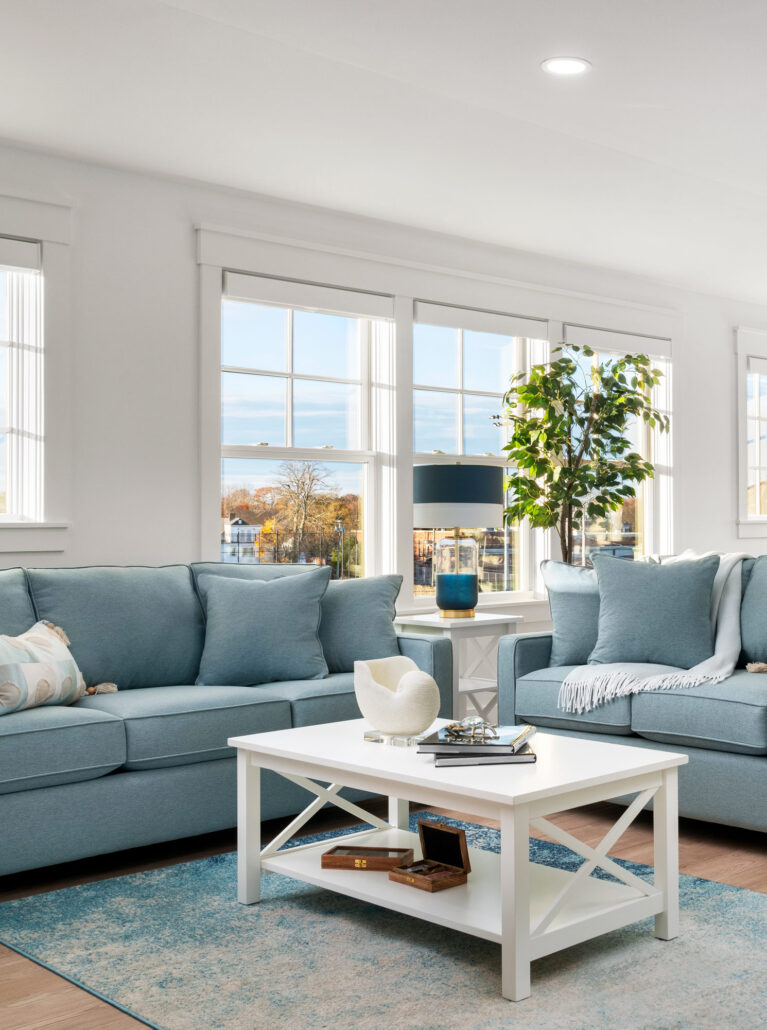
(457, 495)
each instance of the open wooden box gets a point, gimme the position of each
(445, 860)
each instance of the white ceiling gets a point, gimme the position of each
(432, 113)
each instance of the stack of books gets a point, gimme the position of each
(510, 747)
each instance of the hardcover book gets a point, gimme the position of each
(509, 740)
(522, 757)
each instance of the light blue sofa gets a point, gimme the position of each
(722, 727)
(149, 763)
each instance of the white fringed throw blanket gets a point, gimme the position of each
(590, 685)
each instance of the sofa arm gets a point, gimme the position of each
(517, 656)
(435, 656)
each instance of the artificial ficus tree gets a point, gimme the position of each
(571, 457)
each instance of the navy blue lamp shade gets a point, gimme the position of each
(457, 495)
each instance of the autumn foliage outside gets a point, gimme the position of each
(302, 517)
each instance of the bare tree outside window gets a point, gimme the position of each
(300, 486)
(294, 511)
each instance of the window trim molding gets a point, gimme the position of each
(749, 343)
(287, 293)
(319, 262)
(49, 225)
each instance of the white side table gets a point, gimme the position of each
(475, 644)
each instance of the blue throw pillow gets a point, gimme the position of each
(358, 621)
(654, 613)
(574, 605)
(261, 631)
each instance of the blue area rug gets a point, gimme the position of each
(173, 947)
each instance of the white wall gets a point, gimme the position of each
(134, 459)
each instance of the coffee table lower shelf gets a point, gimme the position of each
(475, 907)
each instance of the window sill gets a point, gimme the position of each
(512, 604)
(19, 537)
(752, 529)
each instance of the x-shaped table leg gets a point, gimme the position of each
(324, 795)
(594, 857)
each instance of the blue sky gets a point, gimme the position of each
(254, 406)
(254, 473)
(256, 336)
(487, 365)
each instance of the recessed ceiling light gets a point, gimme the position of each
(566, 65)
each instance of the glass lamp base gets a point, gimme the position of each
(393, 740)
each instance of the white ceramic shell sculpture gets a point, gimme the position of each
(395, 696)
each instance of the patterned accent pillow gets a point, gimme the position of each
(37, 669)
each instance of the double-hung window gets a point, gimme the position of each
(642, 524)
(463, 361)
(299, 468)
(21, 382)
(752, 432)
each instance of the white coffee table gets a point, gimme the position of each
(529, 909)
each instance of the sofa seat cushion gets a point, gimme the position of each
(45, 747)
(536, 702)
(315, 701)
(727, 716)
(179, 725)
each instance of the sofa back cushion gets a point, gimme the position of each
(574, 605)
(745, 574)
(17, 614)
(233, 570)
(262, 631)
(357, 614)
(753, 613)
(358, 621)
(136, 626)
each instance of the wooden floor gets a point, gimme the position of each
(32, 998)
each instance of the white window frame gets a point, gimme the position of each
(21, 350)
(750, 350)
(29, 228)
(657, 493)
(313, 262)
(370, 310)
(464, 320)
(532, 336)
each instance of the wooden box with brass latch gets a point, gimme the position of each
(350, 856)
(445, 861)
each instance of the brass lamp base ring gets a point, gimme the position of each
(463, 613)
